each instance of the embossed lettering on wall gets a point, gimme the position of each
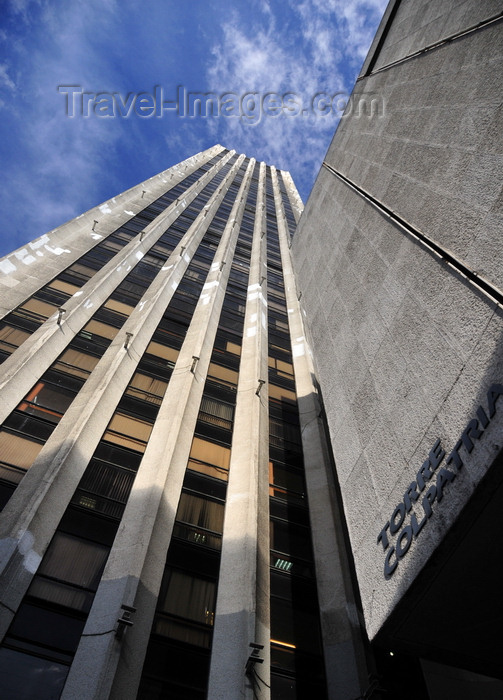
(403, 524)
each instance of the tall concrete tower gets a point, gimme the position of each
(169, 524)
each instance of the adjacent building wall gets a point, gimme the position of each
(398, 256)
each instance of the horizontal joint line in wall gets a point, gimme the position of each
(471, 276)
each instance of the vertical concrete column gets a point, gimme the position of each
(293, 195)
(342, 642)
(33, 513)
(243, 602)
(136, 563)
(22, 369)
(27, 269)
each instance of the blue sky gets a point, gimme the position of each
(55, 166)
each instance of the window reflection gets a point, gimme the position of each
(186, 598)
(21, 675)
(47, 401)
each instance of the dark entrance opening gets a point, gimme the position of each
(445, 637)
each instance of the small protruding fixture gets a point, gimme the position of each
(125, 620)
(94, 225)
(222, 265)
(61, 311)
(143, 193)
(195, 360)
(262, 280)
(254, 658)
(128, 340)
(261, 383)
(142, 233)
(299, 296)
(182, 250)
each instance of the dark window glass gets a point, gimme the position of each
(47, 400)
(188, 596)
(216, 412)
(200, 511)
(287, 484)
(73, 561)
(26, 677)
(290, 539)
(46, 628)
(186, 608)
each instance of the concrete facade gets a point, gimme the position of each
(382, 318)
(230, 230)
(398, 258)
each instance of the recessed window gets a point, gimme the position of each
(147, 388)
(76, 363)
(209, 458)
(128, 431)
(11, 338)
(72, 561)
(17, 450)
(118, 306)
(39, 678)
(47, 401)
(190, 597)
(37, 308)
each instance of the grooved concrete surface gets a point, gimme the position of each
(432, 151)
(406, 348)
(421, 24)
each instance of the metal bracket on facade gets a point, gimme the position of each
(195, 360)
(142, 233)
(128, 340)
(299, 296)
(124, 621)
(222, 265)
(254, 658)
(261, 383)
(94, 225)
(61, 311)
(143, 193)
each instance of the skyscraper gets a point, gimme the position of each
(170, 526)
(174, 525)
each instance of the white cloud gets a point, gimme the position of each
(4, 77)
(59, 166)
(61, 160)
(329, 44)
